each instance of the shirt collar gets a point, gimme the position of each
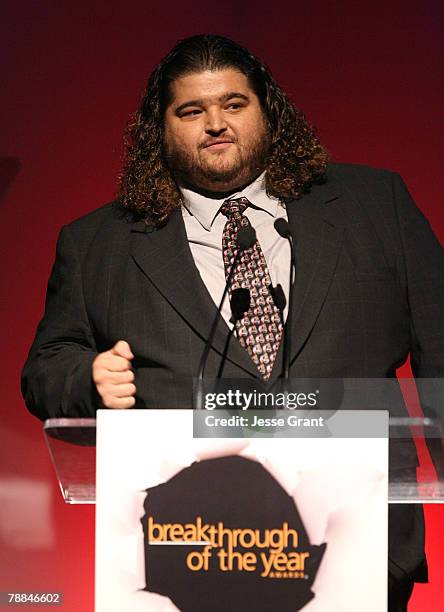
(206, 209)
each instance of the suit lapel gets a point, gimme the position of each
(165, 258)
(318, 227)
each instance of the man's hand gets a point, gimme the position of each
(113, 376)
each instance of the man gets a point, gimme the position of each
(216, 146)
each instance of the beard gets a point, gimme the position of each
(212, 172)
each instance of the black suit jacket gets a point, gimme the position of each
(369, 291)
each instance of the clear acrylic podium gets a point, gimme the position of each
(71, 444)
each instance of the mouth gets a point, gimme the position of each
(216, 145)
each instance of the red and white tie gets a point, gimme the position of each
(260, 330)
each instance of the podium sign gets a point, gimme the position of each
(239, 523)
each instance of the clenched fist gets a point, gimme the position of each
(113, 376)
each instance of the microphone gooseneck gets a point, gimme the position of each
(240, 303)
(283, 229)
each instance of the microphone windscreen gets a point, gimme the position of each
(283, 228)
(246, 237)
(240, 303)
(279, 297)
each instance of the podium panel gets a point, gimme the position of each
(188, 521)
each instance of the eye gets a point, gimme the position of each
(234, 106)
(194, 112)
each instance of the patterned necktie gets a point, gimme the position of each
(260, 330)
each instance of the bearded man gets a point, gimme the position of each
(216, 145)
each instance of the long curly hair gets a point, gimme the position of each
(147, 186)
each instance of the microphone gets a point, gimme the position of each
(246, 237)
(240, 304)
(283, 229)
(279, 297)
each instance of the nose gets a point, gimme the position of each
(215, 122)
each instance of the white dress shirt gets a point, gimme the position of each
(204, 225)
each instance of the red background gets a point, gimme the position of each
(366, 73)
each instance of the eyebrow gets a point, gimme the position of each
(201, 101)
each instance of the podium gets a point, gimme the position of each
(72, 446)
